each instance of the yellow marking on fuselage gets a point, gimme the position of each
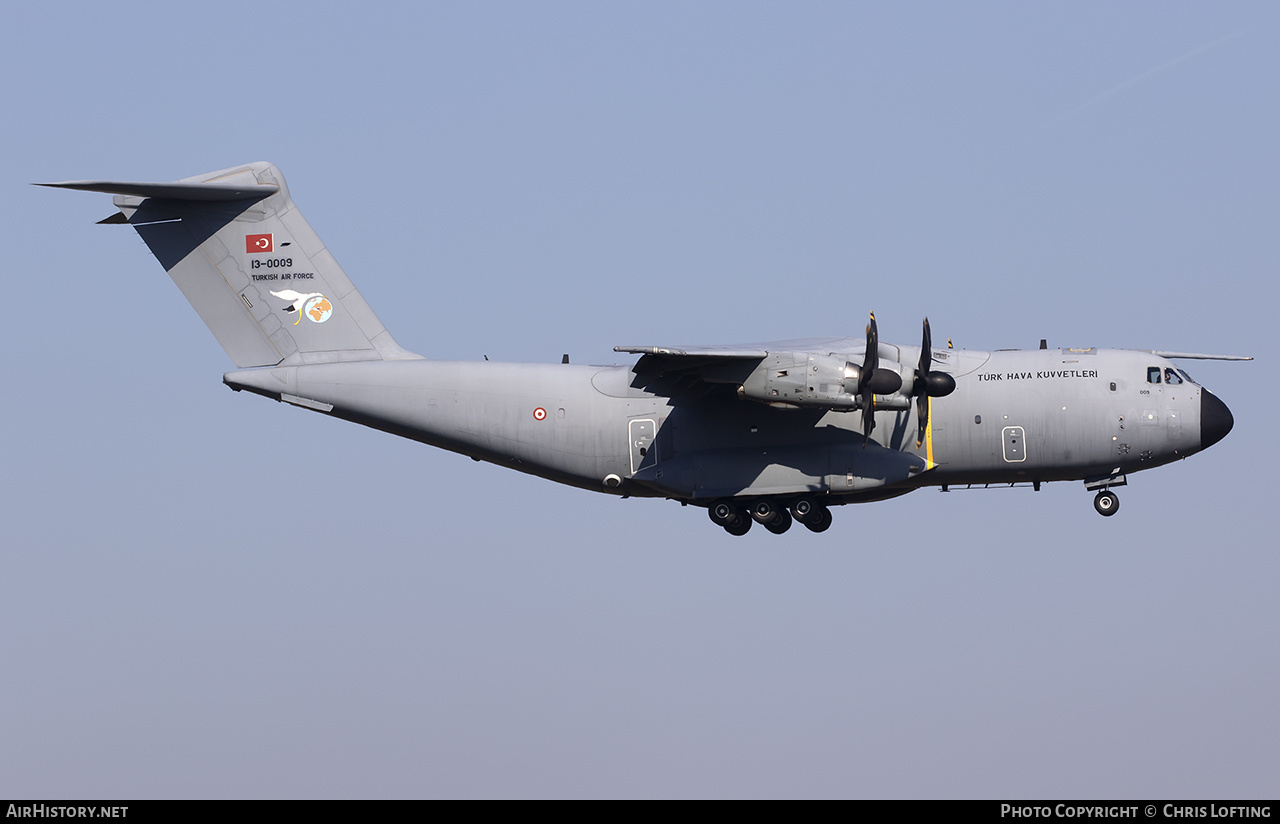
(928, 436)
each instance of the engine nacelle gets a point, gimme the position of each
(820, 381)
(797, 379)
(896, 401)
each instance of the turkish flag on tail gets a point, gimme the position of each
(258, 243)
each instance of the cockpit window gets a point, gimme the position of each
(1153, 374)
(1171, 377)
(1184, 374)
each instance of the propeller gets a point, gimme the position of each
(928, 384)
(872, 380)
(870, 361)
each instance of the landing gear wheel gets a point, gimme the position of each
(819, 522)
(724, 513)
(782, 524)
(805, 509)
(812, 514)
(740, 528)
(767, 512)
(1106, 503)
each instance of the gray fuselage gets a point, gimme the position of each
(1015, 416)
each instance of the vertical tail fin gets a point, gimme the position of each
(251, 266)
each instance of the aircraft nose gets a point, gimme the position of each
(1215, 419)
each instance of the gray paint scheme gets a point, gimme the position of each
(697, 424)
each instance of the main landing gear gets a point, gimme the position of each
(774, 515)
(1107, 503)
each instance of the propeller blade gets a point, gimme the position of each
(926, 352)
(868, 419)
(871, 358)
(929, 384)
(870, 362)
(922, 384)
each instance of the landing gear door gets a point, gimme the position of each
(640, 433)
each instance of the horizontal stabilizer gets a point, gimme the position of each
(171, 191)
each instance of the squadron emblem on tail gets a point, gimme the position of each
(313, 305)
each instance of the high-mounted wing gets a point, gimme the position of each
(839, 374)
(1197, 356)
(691, 371)
(694, 351)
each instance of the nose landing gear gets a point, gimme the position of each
(1106, 502)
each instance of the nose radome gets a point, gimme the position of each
(1215, 419)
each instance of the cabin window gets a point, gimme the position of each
(1153, 374)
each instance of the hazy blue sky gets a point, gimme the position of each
(208, 594)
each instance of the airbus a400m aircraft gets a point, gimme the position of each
(764, 433)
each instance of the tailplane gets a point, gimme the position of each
(251, 266)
